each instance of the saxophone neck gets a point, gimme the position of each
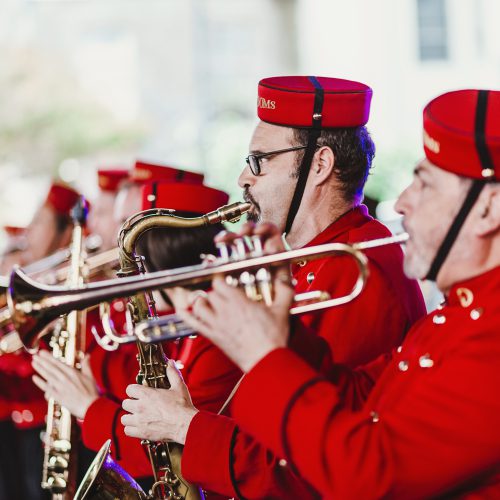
(136, 225)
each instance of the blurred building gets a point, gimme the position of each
(91, 82)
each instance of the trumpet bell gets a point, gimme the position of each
(106, 480)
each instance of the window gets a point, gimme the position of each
(432, 30)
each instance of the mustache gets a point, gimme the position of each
(254, 214)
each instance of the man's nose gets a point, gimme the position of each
(246, 178)
(401, 204)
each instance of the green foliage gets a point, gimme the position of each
(391, 173)
(45, 118)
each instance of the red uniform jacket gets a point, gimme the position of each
(208, 373)
(20, 399)
(428, 428)
(219, 457)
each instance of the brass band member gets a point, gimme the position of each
(309, 158)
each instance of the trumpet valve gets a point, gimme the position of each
(247, 280)
(223, 250)
(231, 281)
(257, 249)
(239, 249)
(264, 284)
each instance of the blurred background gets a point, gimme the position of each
(99, 83)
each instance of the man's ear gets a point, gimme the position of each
(488, 204)
(322, 165)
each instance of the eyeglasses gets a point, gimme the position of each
(253, 161)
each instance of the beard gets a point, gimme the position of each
(254, 214)
(416, 263)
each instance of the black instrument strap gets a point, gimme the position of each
(305, 166)
(455, 227)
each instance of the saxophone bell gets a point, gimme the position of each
(106, 479)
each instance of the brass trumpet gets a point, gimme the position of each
(95, 265)
(33, 305)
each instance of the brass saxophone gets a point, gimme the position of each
(67, 345)
(101, 479)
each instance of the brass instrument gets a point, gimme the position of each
(96, 265)
(33, 306)
(60, 452)
(90, 245)
(164, 457)
(162, 329)
(105, 479)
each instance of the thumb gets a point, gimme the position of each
(86, 369)
(175, 378)
(283, 292)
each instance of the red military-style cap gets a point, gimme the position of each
(196, 198)
(109, 179)
(62, 198)
(289, 101)
(451, 138)
(149, 172)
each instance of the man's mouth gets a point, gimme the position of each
(406, 229)
(254, 213)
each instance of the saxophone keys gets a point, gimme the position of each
(57, 462)
(62, 445)
(57, 484)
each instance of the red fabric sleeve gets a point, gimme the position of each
(208, 373)
(239, 466)
(209, 431)
(445, 429)
(102, 422)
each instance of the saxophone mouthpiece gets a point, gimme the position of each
(228, 213)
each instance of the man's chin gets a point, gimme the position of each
(253, 215)
(414, 270)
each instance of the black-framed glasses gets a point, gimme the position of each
(253, 160)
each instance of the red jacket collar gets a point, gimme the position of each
(351, 219)
(479, 289)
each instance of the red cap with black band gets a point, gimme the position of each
(462, 136)
(451, 139)
(289, 101)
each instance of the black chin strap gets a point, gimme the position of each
(305, 166)
(475, 189)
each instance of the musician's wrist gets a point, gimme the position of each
(188, 417)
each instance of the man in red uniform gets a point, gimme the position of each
(309, 159)
(429, 426)
(49, 230)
